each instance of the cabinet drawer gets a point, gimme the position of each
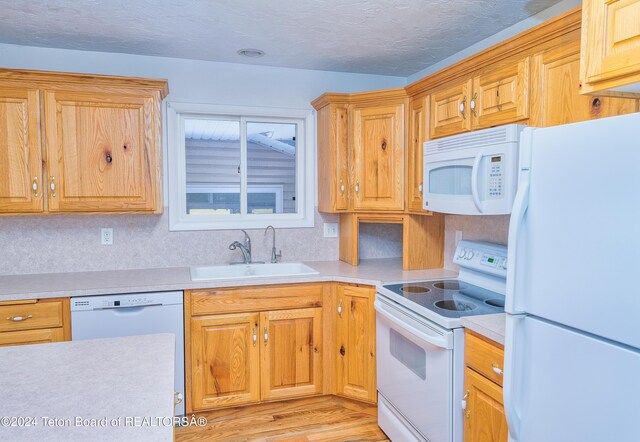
(42, 314)
(23, 337)
(254, 299)
(485, 358)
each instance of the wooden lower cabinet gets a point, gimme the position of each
(225, 360)
(291, 353)
(236, 357)
(484, 418)
(356, 342)
(35, 321)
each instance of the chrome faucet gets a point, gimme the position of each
(244, 248)
(274, 255)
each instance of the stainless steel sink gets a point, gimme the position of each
(243, 271)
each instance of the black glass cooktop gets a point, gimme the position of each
(450, 298)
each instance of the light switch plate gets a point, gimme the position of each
(331, 230)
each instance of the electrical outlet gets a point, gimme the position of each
(330, 230)
(106, 237)
(458, 236)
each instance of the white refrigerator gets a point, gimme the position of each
(572, 358)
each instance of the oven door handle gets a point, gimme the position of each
(434, 339)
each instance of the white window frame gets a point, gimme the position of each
(179, 220)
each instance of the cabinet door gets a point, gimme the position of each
(39, 336)
(484, 414)
(20, 154)
(418, 121)
(101, 152)
(610, 43)
(501, 95)
(333, 159)
(356, 343)
(450, 110)
(379, 157)
(555, 92)
(225, 358)
(291, 353)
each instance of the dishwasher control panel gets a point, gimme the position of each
(128, 300)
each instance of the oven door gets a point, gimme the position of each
(474, 181)
(415, 371)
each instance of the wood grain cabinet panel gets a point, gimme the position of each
(100, 152)
(501, 95)
(485, 420)
(34, 321)
(378, 133)
(291, 353)
(356, 343)
(36, 336)
(556, 97)
(418, 134)
(610, 54)
(21, 187)
(450, 109)
(225, 360)
(333, 158)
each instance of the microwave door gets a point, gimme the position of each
(450, 187)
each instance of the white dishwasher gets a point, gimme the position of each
(131, 314)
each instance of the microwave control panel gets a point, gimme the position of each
(495, 177)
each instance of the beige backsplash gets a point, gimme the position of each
(71, 243)
(479, 228)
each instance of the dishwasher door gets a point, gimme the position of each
(110, 316)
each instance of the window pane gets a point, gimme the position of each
(271, 167)
(212, 149)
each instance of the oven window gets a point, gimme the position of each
(450, 180)
(409, 354)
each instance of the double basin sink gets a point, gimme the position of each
(243, 271)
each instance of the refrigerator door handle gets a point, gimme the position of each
(513, 326)
(474, 181)
(520, 205)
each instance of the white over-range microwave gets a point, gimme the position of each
(474, 173)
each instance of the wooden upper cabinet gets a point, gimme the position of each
(101, 153)
(555, 91)
(418, 134)
(225, 360)
(100, 138)
(21, 183)
(333, 158)
(291, 353)
(501, 95)
(356, 342)
(378, 152)
(610, 53)
(450, 109)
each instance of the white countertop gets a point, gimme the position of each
(490, 326)
(117, 378)
(51, 285)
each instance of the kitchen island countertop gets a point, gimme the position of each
(98, 390)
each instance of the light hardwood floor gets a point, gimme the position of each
(326, 418)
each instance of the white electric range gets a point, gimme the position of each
(420, 344)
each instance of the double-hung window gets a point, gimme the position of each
(234, 167)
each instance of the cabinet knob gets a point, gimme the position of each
(420, 188)
(496, 369)
(266, 336)
(34, 186)
(255, 336)
(472, 104)
(52, 186)
(340, 309)
(342, 188)
(357, 186)
(19, 318)
(463, 107)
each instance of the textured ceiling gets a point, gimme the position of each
(388, 37)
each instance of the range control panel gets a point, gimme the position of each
(482, 256)
(495, 176)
